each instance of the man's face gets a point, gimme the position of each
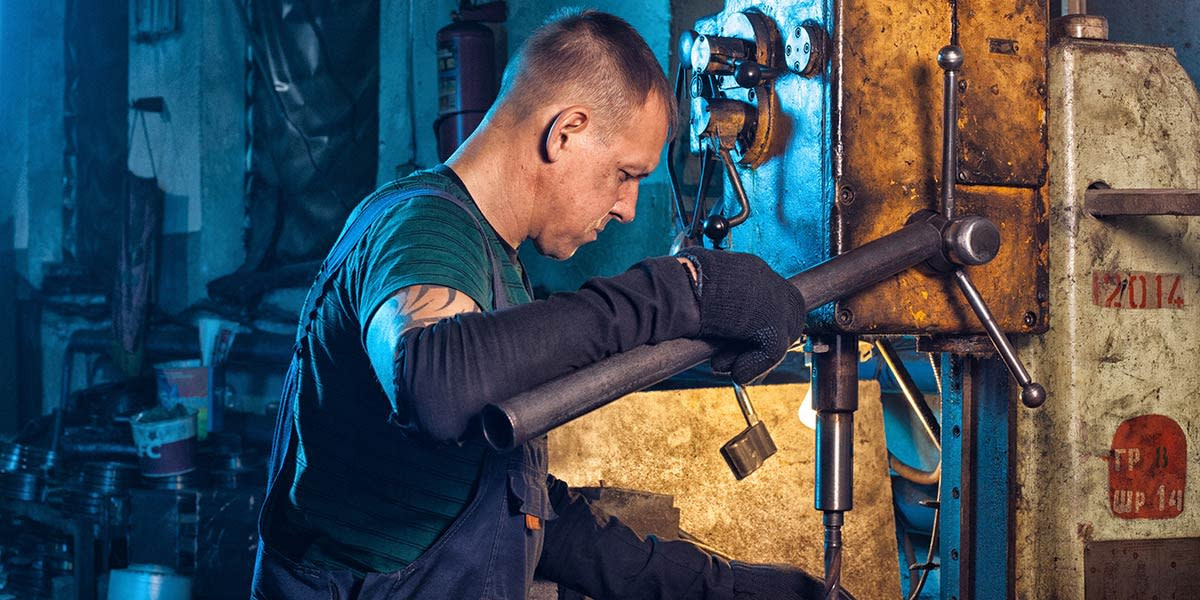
(596, 180)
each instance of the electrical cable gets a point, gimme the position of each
(672, 170)
(706, 171)
(929, 565)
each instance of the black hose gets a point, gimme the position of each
(672, 170)
(706, 172)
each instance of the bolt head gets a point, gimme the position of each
(844, 317)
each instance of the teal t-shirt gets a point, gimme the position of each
(371, 498)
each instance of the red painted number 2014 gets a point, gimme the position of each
(1137, 290)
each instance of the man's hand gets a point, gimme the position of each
(747, 305)
(410, 308)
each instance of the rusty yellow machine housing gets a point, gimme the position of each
(838, 153)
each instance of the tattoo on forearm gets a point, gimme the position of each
(425, 305)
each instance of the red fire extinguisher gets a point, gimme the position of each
(466, 55)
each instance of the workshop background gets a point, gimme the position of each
(173, 174)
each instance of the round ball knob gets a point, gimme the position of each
(685, 42)
(950, 58)
(1033, 395)
(748, 74)
(716, 228)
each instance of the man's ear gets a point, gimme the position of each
(567, 124)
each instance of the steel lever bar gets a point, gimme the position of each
(950, 59)
(1033, 394)
(531, 414)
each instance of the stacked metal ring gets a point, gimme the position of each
(30, 568)
(21, 485)
(109, 477)
(19, 457)
(183, 481)
(79, 502)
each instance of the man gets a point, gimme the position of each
(381, 484)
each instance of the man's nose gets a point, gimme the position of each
(626, 207)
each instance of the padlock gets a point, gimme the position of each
(746, 452)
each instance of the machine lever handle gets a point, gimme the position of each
(1033, 394)
(950, 59)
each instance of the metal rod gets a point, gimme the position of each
(950, 59)
(912, 394)
(1032, 394)
(736, 181)
(531, 414)
(1141, 202)
(743, 400)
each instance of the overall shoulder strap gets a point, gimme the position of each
(354, 232)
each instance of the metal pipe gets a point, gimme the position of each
(914, 474)
(533, 413)
(672, 170)
(835, 461)
(912, 394)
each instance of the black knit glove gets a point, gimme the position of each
(749, 306)
(776, 582)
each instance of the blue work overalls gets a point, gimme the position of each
(489, 552)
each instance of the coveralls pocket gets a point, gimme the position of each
(529, 498)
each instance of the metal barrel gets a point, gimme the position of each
(531, 414)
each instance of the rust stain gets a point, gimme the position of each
(1084, 531)
(890, 136)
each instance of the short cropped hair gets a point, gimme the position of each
(591, 55)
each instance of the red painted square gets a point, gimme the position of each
(1147, 468)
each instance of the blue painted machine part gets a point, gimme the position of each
(792, 193)
(978, 428)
